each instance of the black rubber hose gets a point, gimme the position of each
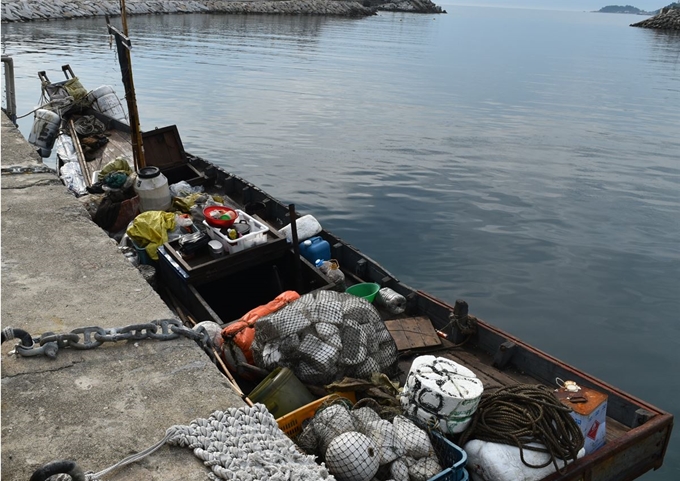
(59, 467)
(10, 333)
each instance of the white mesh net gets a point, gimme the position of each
(359, 445)
(325, 336)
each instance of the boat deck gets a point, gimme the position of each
(118, 145)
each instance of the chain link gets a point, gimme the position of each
(38, 169)
(92, 337)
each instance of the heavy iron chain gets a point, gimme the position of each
(84, 338)
(38, 169)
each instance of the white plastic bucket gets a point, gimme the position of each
(439, 389)
(105, 100)
(44, 131)
(153, 190)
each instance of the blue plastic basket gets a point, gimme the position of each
(143, 255)
(451, 456)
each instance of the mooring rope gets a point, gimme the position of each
(524, 416)
(236, 444)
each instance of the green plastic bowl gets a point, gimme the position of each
(367, 290)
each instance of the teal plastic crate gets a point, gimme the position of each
(451, 456)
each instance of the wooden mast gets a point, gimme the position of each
(123, 46)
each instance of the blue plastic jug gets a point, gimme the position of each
(315, 248)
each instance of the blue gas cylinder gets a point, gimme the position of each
(315, 248)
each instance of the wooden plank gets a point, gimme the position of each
(413, 333)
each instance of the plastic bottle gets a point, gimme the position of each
(392, 301)
(331, 269)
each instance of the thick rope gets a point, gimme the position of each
(89, 125)
(523, 416)
(237, 444)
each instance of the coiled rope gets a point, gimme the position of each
(527, 416)
(89, 125)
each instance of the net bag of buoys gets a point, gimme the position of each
(357, 444)
(325, 336)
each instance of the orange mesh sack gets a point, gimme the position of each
(239, 335)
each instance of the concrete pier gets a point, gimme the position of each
(60, 272)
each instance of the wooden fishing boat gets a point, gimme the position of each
(637, 433)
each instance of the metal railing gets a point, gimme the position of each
(10, 91)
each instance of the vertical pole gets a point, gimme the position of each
(10, 90)
(123, 17)
(123, 45)
(297, 268)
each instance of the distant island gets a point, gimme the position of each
(623, 9)
(635, 11)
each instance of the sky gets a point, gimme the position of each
(580, 5)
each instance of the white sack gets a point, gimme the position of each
(488, 461)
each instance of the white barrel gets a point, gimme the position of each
(441, 390)
(105, 100)
(44, 131)
(153, 190)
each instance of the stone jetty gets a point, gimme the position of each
(29, 10)
(61, 272)
(667, 19)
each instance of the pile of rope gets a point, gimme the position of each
(89, 125)
(238, 444)
(529, 417)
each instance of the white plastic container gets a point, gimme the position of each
(105, 100)
(153, 190)
(257, 235)
(44, 131)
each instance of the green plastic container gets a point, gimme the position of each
(367, 290)
(281, 392)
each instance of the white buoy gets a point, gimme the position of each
(44, 131)
(105, 100)
(352, 456)
(442, 390)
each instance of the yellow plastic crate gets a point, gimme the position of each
(291, 423)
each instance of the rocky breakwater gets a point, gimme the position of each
(667, 19)
(28, 10)
(411, 6)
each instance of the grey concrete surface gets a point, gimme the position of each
(60, 272)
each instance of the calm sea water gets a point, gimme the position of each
(525, 161)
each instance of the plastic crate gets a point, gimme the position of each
(449, 455)
(256, 236)
(291, 423)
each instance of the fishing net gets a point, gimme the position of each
(325, 336)
(358, 444)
